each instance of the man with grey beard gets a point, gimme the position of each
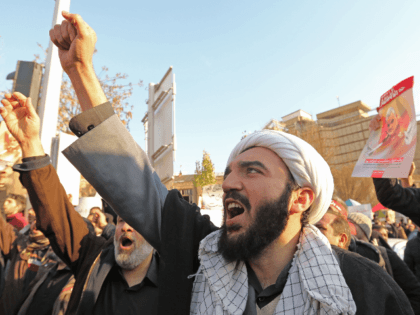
(131, 285)
(131, 257)
(114, 276)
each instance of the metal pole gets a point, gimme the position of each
(51, 86)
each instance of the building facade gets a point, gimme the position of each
(339, 134)
(185, 185)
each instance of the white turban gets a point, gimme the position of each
(306, 165)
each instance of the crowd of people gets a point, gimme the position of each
(287, 245)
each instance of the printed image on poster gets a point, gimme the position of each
(390, 149)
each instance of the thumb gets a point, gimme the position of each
(77, 21)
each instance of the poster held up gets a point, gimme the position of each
(390, 149)
(365, 209)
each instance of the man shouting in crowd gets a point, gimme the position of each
(266, 259)
(114, 276)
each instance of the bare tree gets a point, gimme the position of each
(116, 92)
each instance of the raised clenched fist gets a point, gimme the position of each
(75, 40)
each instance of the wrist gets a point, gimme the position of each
(410, 182)
(87, 86)
(32, 148)
(80, 70)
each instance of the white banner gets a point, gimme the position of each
(365, 209)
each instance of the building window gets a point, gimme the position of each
(187, 194)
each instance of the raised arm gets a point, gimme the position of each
(409, 181)
(56, 217)
(403, 200)
(106, 154)
(76, 41)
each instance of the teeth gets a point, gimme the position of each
(233, 205)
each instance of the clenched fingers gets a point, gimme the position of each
(68, 32)
(71, 31)
(83, 29)
(58, 37)
(54, 40)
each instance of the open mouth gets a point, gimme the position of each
(234, 209)
(126, 242)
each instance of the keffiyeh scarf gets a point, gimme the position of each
(315, 284)
(35, 251)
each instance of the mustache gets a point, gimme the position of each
(234, 194)
(127, 235)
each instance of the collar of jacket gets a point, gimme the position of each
(314, 262)
(95, 279)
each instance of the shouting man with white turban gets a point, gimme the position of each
(267, 258)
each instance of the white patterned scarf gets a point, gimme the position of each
(315, 284)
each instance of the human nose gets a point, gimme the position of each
(231, 182)
(126, 228)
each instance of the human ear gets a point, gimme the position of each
(302, 199)
(343, 241)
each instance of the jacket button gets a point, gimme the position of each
(260, 299)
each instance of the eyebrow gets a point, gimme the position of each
(244, 164)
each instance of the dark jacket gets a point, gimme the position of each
(18, 274)
(403, 200)
(89, 257)
(45, 288)
(56, 274)
(373, 290)
(394, 266)
(405, 278)
(412, 255)
(377, 254)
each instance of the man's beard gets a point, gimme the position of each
(129, 260)
(270, 221)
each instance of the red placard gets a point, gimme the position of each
(395, 91)
(377, 174)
